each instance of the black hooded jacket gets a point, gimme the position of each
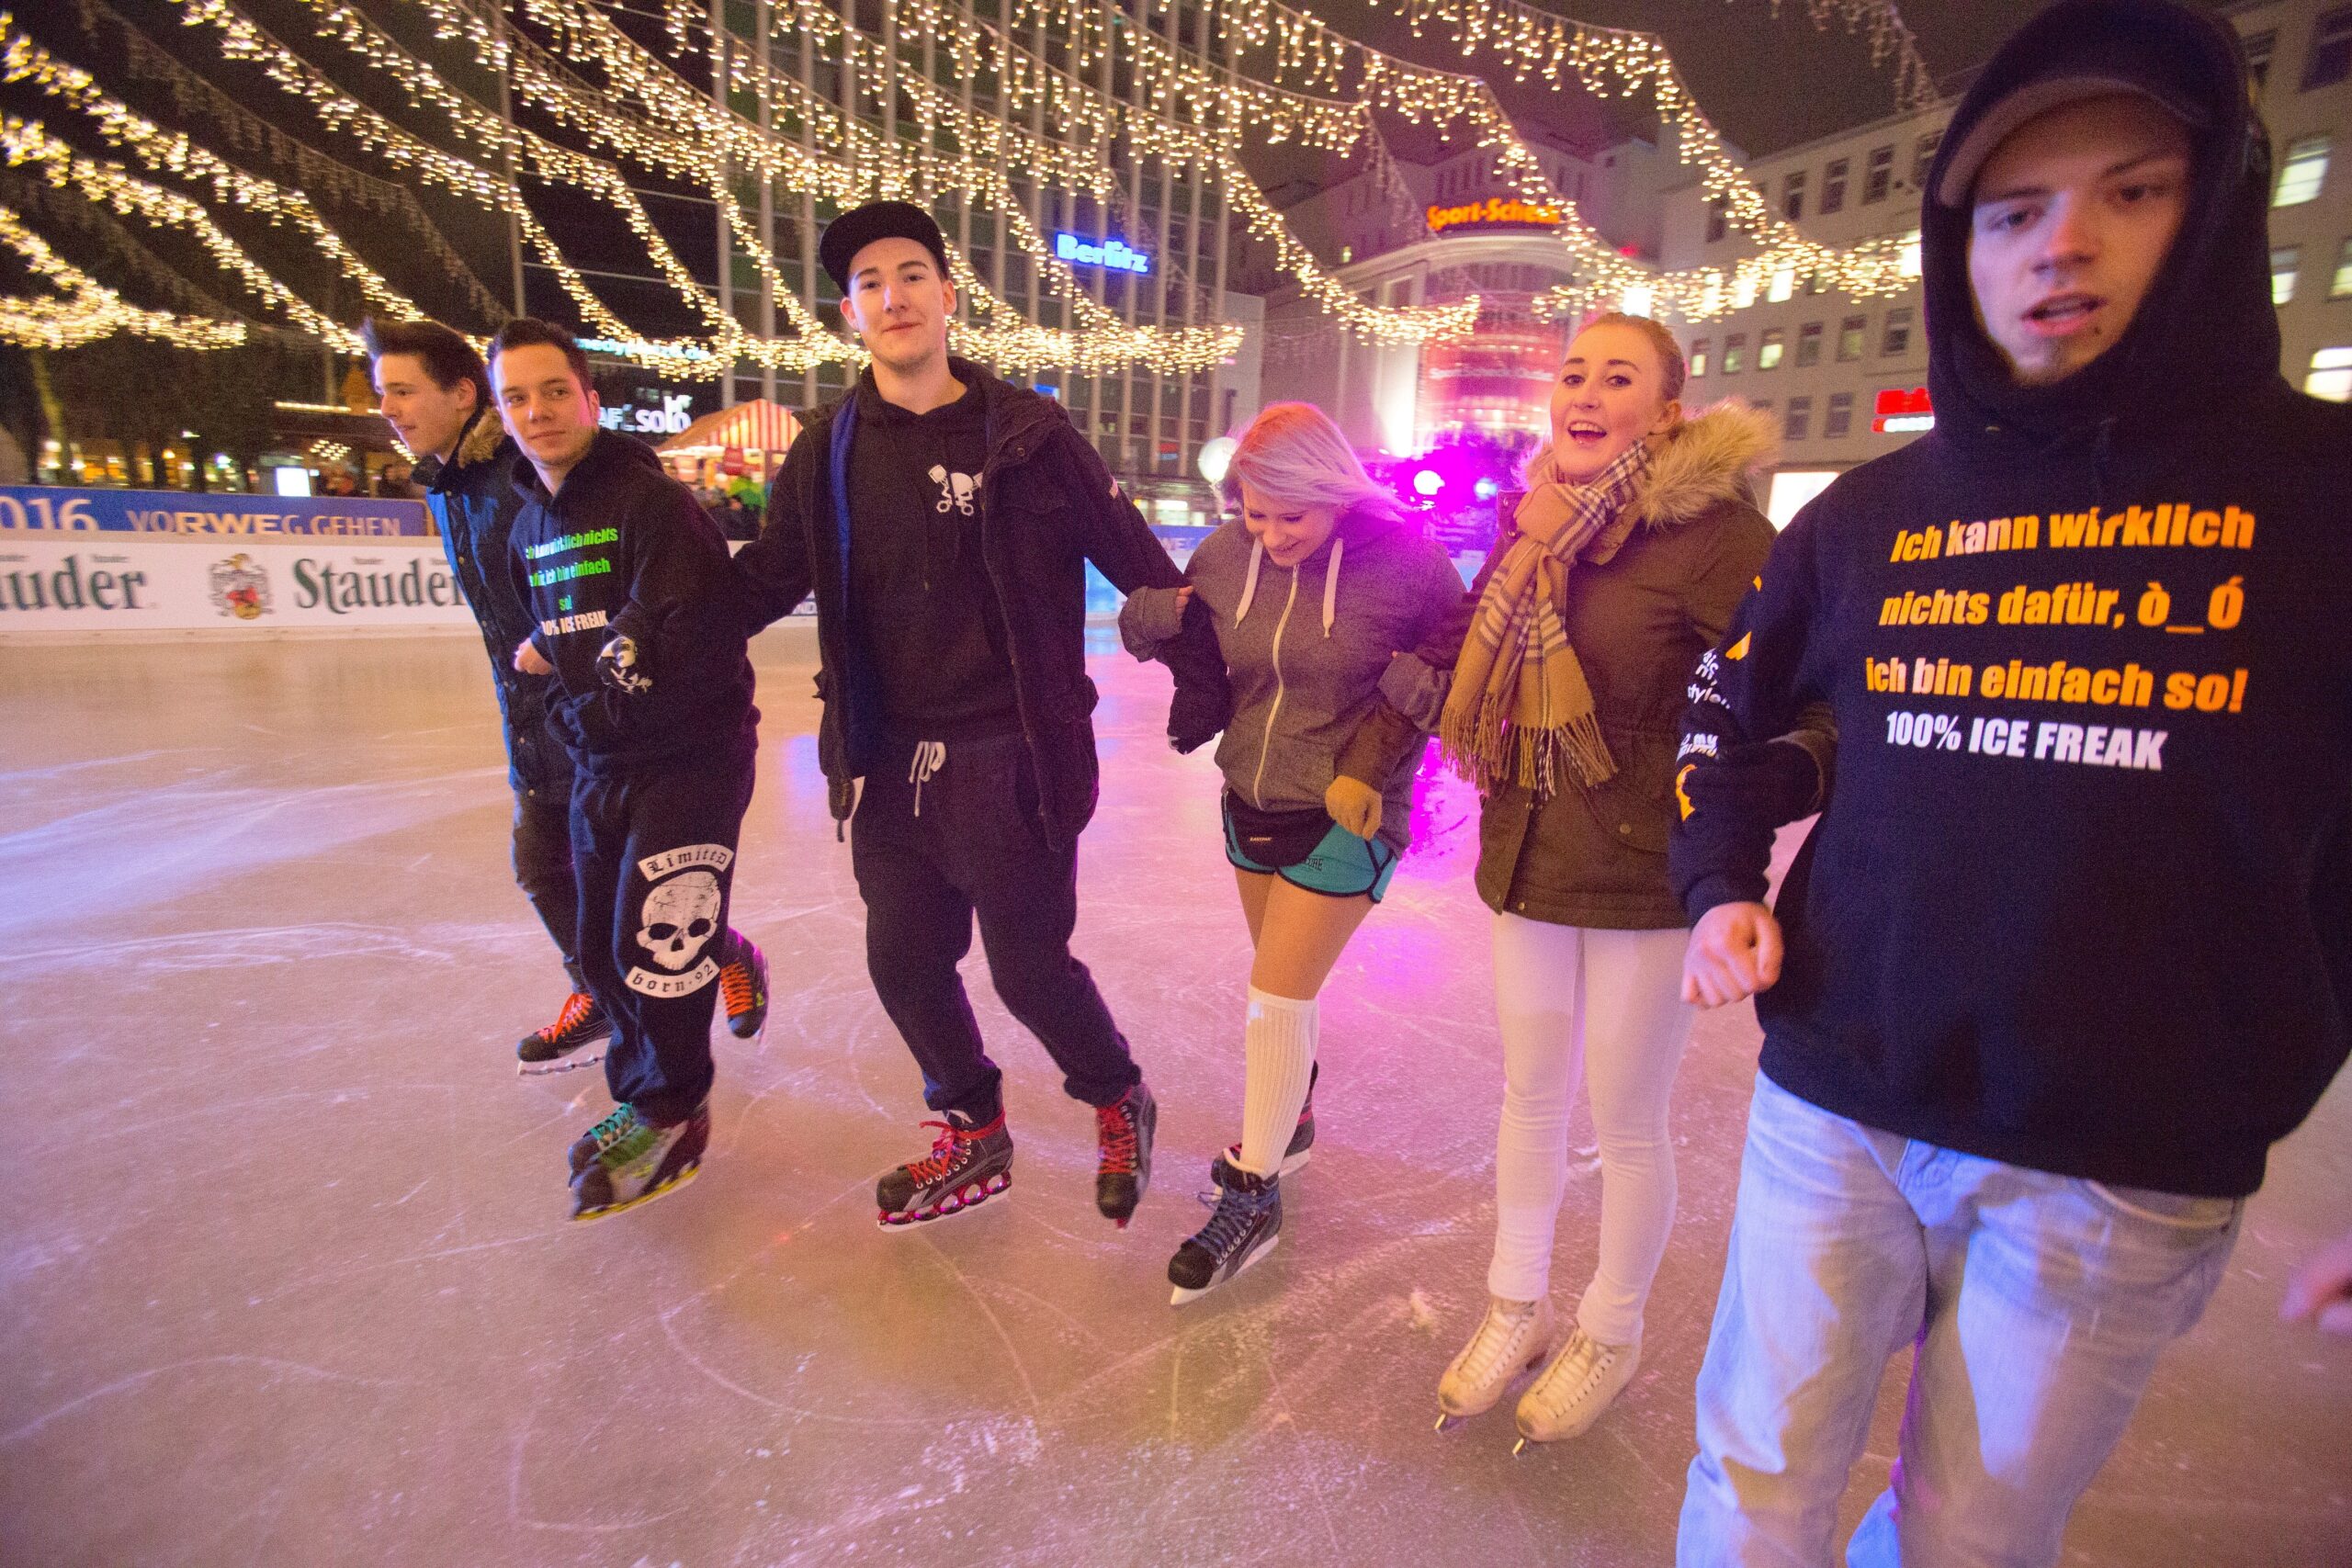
(624, 550)
(2082, 900)
(1047, 506)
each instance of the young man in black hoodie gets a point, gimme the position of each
(434, 389)
(2072, 944)
(943, 519)
(637, 619)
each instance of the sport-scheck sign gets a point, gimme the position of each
(1495, 211)
(131, 582)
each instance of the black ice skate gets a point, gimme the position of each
(743, 985)
(1247, 1221)
(1301, 1140)
(562, 1046)
(1122, 1153)
(966, 1167)
(626, 1160)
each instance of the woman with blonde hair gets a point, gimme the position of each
(1314, 589)
(1611, 577)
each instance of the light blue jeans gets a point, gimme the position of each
(2037, 1305)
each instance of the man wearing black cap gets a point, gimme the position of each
(2071, 945)
(943, 519)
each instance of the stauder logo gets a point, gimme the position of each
(241, 588)
(1495, 212)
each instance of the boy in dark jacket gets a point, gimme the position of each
(636, 617)
(434, 391)
(943, 519)
(2072, 944)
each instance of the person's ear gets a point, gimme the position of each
(848, 315)
(1668, 417)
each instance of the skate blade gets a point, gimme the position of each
(578, 1059)
(1447, 1420)
(988, 1194)
(1178, 1295)
(650, 1193)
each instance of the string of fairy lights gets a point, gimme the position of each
(1318, 88)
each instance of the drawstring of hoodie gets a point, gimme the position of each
(1330, 584)
(930, 756)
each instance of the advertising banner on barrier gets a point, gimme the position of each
(46, 509)
(161, 583)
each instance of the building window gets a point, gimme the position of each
(1840, 417)
(1767, 351)
(1792, 196)
(1783, 284)
(2303, 172)
(1922, 154)
(1699, 357)
(2341, 286)
(1799, 423)
(1808, 344)
(1763, 405)
(1897, 336)
(2257, 60)
(2283, 259)
(1718, 219)
(1879, 175)
(1734, 352)
(1850, 333)
(2331, 376)
(2330, 61)
(1833, 187)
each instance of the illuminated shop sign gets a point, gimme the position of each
(1495, 212)
(1113, 253)
(637, 348)
(655, 414)
(1899, 412)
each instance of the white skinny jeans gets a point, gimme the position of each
(1605, 1005)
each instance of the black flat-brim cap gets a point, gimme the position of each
(860, 226)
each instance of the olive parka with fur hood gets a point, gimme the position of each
(1640, 623)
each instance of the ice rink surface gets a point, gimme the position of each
(286, 1278)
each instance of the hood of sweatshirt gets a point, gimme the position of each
(2208, 312)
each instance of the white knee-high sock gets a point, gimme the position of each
(1279, 1045)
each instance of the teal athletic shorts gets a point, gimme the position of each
(1341, 865)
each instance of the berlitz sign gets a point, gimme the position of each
(1495, 212)
(1113, 253)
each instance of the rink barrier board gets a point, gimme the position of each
(117, 583)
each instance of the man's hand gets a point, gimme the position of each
(2321, 1292)
(1354, 804)
(528, 660)
(1735, 952)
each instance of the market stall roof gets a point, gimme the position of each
(756, 426)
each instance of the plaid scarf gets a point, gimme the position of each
(1520, 701)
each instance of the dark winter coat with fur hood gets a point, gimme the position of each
(1639, 622)
(473, 502)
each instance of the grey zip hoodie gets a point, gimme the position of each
(1306, 649)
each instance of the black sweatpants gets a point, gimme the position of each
(655, 856)
(970, 840)
(543, 870)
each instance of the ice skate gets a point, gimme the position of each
(1583, 1380)
(626, 1160)
(1247, 1221)
(1122, 1153)
(966, 1167)
(563, 1044)
(1302, 1141)
(743, 985)
(1512, 1338)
